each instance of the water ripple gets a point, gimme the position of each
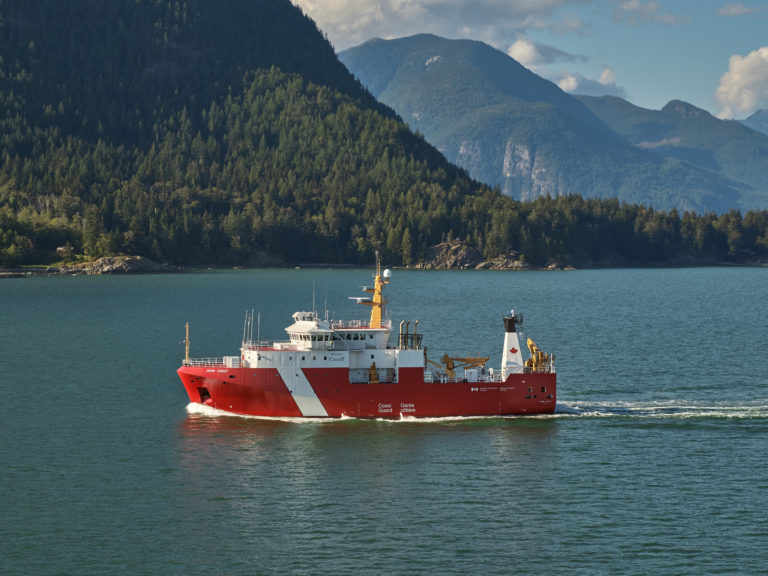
(662, 410)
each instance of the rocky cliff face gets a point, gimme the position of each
(451, 255)
(521, 172)
(457, 255)
(526, 173)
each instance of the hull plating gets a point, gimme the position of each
(263, 392)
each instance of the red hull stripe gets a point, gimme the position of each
(328, 392)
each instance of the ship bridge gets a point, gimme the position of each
(308, 332)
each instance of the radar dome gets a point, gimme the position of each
(387, 274)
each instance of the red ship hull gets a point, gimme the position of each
(262, 392)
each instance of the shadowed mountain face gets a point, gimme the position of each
(110, 69)
(512, 129)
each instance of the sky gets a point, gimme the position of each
(710, 53)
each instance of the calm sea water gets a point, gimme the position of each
(655, 462)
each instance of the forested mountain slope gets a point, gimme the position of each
(200, 131)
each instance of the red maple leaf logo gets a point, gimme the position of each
(513, 350)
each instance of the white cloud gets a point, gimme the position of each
(569, 82)
(738, 9)
(607, 76)
(351, 22)
(532, 54)
(744, 88)
(578, 84)
(635, 12)
(524, 51)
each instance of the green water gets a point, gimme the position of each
(655, 462)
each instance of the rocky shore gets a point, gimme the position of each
(107, 265)
(114, 265)
(457, 255)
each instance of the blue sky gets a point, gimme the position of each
(710, 53)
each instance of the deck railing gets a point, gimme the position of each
(203, 362)
(358, 324)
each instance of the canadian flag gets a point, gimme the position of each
(513, 350)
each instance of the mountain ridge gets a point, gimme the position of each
(513, 129)
(690, 134)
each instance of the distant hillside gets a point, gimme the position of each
(758, 121)
(690, 134)
(510, 128)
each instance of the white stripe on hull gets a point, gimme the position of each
(302, 391)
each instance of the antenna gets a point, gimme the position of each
(258, 328)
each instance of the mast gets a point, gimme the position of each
(377, 302)
(186, 345)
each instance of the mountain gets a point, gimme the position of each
(758, 121)
(193, 131)
(510, 128)
(102, 69)
(684, 132)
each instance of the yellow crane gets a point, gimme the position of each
(450, 364)
(538, 359)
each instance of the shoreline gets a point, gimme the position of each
(87, 269)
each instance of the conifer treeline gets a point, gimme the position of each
(303, 173)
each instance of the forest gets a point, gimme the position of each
(179, 134)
